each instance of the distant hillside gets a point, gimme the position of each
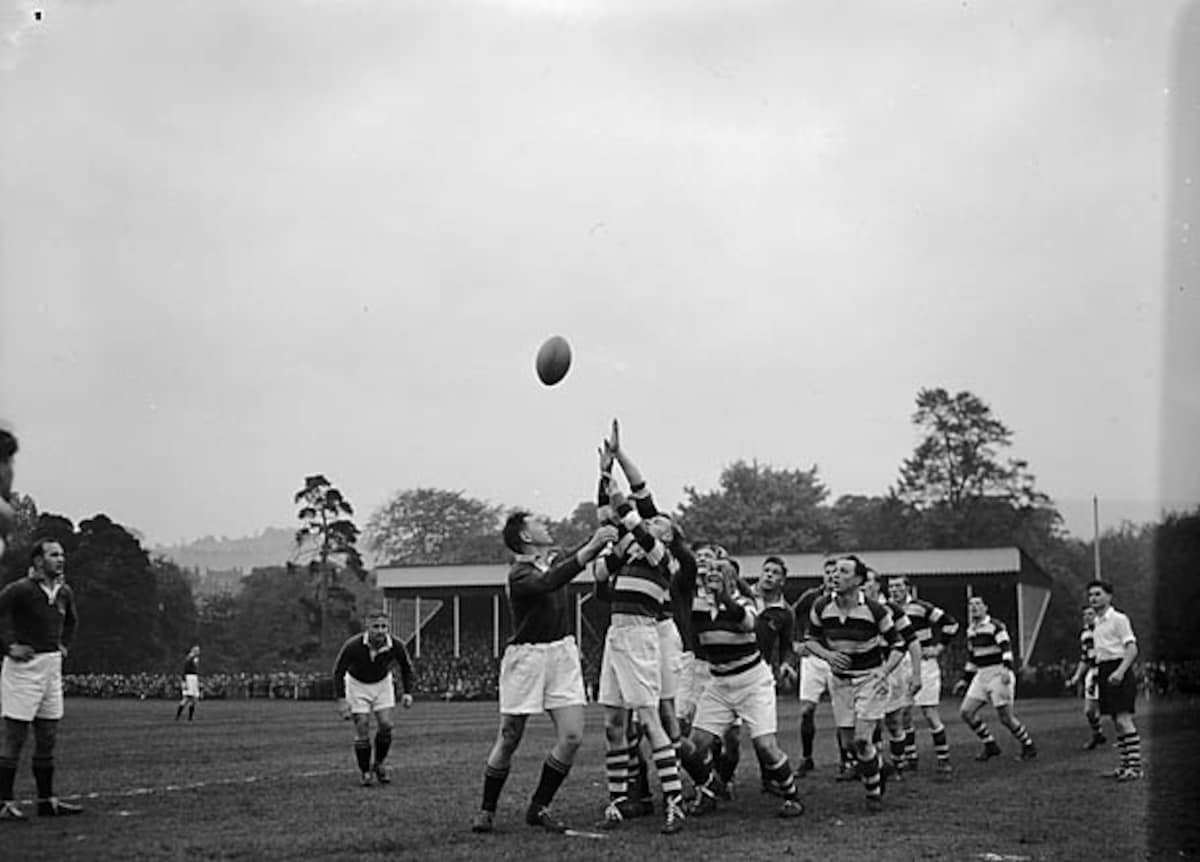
(274, 546)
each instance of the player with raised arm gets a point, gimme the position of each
(988, 678)
(364, 686)
(1086, 670)
(540, 670)
(934, 628)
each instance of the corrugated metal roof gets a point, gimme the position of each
(965, 561)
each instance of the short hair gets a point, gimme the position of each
(1104, 585)
(902, 578)
(8, 444)
(777, 561)
(39, 549)
(514, 525)
(860, 568)
(377, 613)
(737, 567)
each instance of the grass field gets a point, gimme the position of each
(275, 780)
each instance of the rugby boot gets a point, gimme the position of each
(539, 815)
(990, 750)
(52, 807)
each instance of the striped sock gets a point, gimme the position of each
(493, 783)
(941, 745)
(616, 770)
(1133, 750)
(981, 730)
(781, 774)
(868, 770)
(1021, 734)
(910, 744)
(362, 754)
(898, 749)
(667, 767)
(1123, 749)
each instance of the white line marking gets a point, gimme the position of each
(194, 785)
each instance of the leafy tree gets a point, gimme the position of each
(116, 596)
(760, 508)
(966, 492)
(216, 615)
(876, 523)
(329, 536)
(176, 607)
(577, 527)
(1176, 551)
(430, 526)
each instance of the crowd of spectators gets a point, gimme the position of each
(143, 686)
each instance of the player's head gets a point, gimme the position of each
(898, 589)
(1099, 594)
(194, 652)
(378, 625)
(774, 575)
(1089, 615)
(48, 558)
(977, 608)
(662, 528)
(522, 531)
(829, 570)
(849, 573)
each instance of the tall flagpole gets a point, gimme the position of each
(1096, 537)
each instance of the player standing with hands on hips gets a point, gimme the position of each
(363, 684)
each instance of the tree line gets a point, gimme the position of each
(958, 489)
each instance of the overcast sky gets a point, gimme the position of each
(244, 242)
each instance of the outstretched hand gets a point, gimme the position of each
(614, 440)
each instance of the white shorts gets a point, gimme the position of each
(694, 676)
(931, 683)
(631, 668)
(749, 696)
(670, 651)
(992, 685)
(857, 699)
(368, 697)
(898, 682)
(539, 677)
(814, 678)
(32, 689)
(1091, 684)
(191, 685)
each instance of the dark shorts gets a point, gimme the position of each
(1116, 699)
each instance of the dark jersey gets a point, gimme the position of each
(31, 616)
(191, 666)
(775, 629)
(368, 665)
(537, 601)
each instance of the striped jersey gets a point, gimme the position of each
(987, 645)
(725, 637)
(865, 633)
(638, 570)
(1087, 647)
(933, 625)
(803, 607)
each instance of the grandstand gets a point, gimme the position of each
(462, 609)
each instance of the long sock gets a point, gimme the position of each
(8, 775)
(553, 773)
(1094, 723)
(178, 711)
(868, 770)
(617, 768)
(877, 734)
(191, 710)
(667, 768)
(362, 753)
(781, 774)
(727, 763)
(383, 743)
(640, 776)
(43, 775)
(910, 744)
(808, 732)
(941, 745)
(697, 766)
(493, 783)
(1132, 750)
(1021, 734)
(981, 730)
